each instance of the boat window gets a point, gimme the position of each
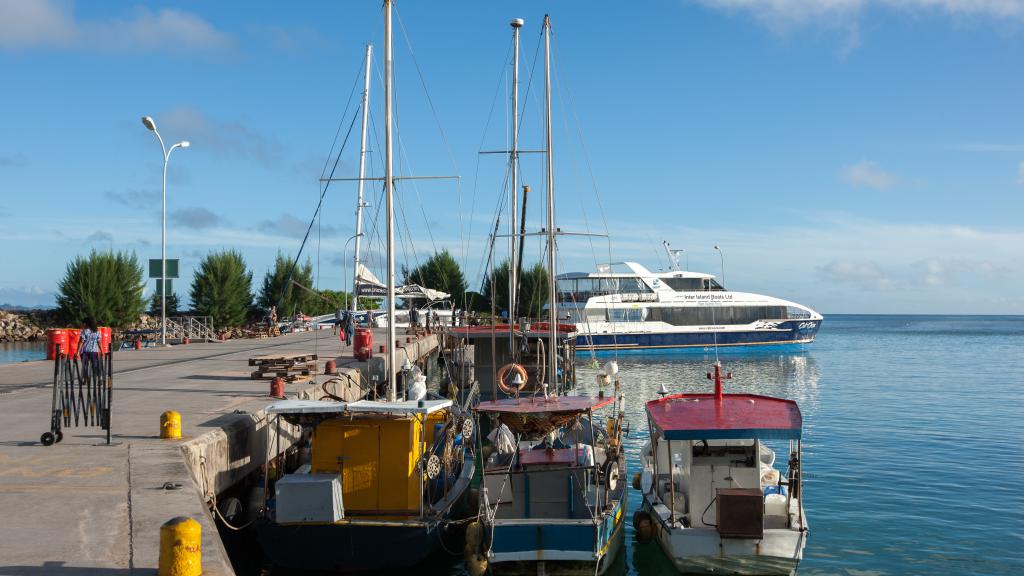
(797, 313)
(715, 285)
(716, 315)
(627, 314)
(683, 284)
(582, 289)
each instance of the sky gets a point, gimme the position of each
(856, 156)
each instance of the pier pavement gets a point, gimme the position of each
(84, 508)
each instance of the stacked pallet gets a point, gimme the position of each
(291, 367)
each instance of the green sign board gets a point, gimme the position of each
(154, 268)
(170, 285)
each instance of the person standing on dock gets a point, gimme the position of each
(89, 346)
(349, 328)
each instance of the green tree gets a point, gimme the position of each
(222, 288)
(330, 301)
(289, 298)
(533, 291)
(440, 272)
(173, 304)
(476, 302)
(106, 286)
(498, 280)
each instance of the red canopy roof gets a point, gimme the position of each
(535, 404)
(702, 417)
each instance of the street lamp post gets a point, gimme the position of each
(149, 124)
(722, 258)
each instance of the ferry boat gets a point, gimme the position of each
(713, 498)
(624, 306)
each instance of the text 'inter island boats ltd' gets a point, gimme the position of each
(624, 306)
(713, 499)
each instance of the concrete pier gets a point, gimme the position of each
(82, 507)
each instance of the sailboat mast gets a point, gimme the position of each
(362, 179)
(389, 186)
(513, 277)
(552, 302)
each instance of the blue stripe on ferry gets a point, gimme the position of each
(794, 332)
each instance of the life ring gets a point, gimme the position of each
(504, 371)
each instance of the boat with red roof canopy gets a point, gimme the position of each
(713, 498)
(551, 499)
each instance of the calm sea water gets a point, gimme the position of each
(913, 440)
(22, 351)
(913, 437)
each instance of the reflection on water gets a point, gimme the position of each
(913, 427)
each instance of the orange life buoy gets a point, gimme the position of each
(504, 371)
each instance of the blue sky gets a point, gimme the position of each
(862, 156)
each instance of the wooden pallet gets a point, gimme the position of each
(285, 377)
(281, 359)
(280, 373)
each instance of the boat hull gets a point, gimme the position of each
(520, 547)
(703, 551)
(347, 547)
(787, 333)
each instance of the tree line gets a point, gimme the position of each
(109, 287)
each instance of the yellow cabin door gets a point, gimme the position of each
(360, 466)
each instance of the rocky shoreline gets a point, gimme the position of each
(31, 326)
(24, 326)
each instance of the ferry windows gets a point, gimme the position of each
(796, 313)
(627, 314)
(715, 285)
(683, 284)
(717, 315)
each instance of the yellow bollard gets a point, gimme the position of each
(180, 550)
(170, 425)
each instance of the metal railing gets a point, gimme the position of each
(191, 327)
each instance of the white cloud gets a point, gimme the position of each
(52, 24)
(869, 175)
(783, 16)
(985, 8)
(780, 15)
(195, 218)
(225, 138)
(99, 236)
(292, 227)
(866, 274)
(26, 296)
(135, 198)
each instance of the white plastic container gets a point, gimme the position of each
(775, 505)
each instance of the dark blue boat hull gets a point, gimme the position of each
(790, 332)
(348, 548)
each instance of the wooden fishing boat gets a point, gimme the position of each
(382, 477)
(551, 498)
(713, 498)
